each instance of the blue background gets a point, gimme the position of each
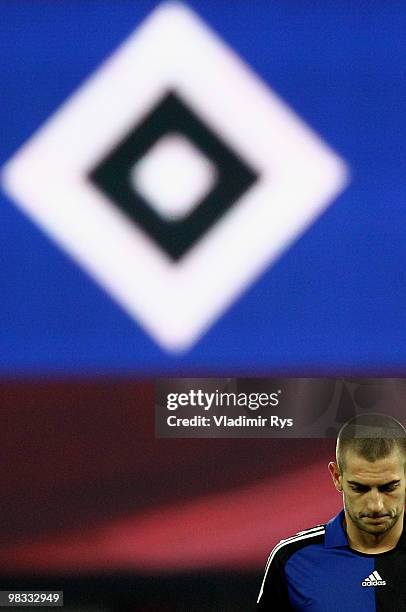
(334, 302)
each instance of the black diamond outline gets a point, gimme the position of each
(112, 176)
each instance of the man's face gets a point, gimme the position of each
(373, 492)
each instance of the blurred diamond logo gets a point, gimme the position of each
(173, 225)
(174, 176)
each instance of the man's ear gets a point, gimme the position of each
(335, 475)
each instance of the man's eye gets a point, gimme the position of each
(388, 489)
(359, 489)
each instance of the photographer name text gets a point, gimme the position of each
(226, 421)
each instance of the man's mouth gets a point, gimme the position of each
(376, 519)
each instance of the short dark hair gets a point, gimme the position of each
(372, 436)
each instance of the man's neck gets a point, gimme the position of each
(372, 543)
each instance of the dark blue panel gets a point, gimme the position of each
(323, 579)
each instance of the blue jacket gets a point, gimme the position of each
(317, 571)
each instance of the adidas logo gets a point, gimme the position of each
(373, 579)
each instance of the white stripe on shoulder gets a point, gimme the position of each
(301, 535)
(304, 532)
(316, 528)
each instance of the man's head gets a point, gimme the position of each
(370, 471)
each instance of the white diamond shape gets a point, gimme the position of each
(173, 176)
(299, 176)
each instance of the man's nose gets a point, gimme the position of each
(375, 502)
